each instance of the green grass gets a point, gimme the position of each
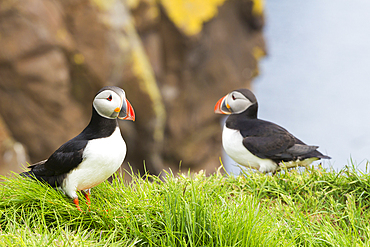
(315, 207)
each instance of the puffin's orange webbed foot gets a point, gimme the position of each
(75, 201)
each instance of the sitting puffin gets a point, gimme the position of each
(95, 154)
(259, 144)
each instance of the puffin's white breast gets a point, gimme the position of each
(232, 141)
(101, 158)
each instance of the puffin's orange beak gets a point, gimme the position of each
(222, 107)
(130, 112)
(126, 112)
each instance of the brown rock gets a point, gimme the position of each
(197, 71)
(13, 155)
(55, 55)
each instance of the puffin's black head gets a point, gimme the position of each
(110, 102)
(237, 102)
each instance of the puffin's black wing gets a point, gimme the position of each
(278, 149)
(63, 160)
(270, 141)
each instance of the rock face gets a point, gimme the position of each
(12, 153)
(55, 55)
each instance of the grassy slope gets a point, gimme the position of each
(311, 208)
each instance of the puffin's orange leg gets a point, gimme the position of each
(87, 196)
(75, 201)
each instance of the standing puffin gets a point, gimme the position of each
(259, 144)
(95, 154)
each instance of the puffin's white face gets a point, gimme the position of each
(233, 103)
(113, 104)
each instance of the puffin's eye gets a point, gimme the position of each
(109, 98)
(233, 97)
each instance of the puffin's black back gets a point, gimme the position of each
(68, 156)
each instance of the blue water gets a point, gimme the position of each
(315, 81)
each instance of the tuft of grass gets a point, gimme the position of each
(314, 207)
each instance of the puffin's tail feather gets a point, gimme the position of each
(29, 174)
(324, 157)
(320, 155)
(53, 181)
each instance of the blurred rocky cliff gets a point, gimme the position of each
(174, 59)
